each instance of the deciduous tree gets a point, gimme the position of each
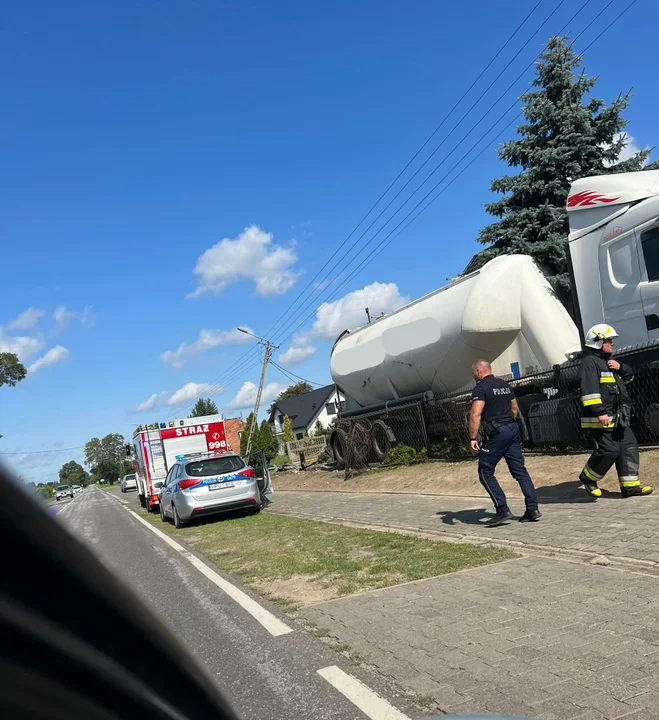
(11, 369)
(204, 406)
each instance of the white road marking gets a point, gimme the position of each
(269, 621)
(367, 700)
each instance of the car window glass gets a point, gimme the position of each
(214, 466)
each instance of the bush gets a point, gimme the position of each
(446, 449)
(404, 454)
(281, 460)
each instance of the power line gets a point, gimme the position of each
(292, 376)
(41, 452)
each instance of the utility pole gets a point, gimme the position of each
(269, 347)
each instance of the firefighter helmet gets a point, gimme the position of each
(598, 333)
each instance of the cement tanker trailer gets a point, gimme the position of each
(405, 376)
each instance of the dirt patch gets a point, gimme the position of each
(299, 590)
(554, 476)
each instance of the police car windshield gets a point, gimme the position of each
(214, 466)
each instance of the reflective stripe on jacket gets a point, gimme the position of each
(603, 391)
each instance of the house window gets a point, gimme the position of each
(299, 436)
(650, 242)
(330, 408)
(280, 419)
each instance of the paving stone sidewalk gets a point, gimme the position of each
(535, 637)
(611, 526)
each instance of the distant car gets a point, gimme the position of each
(63, 491)
(77, 489)
(206, 485)
(129, 482)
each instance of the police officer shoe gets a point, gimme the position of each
(592, 490)
(499, 518)
(531, 516)
(634, 491)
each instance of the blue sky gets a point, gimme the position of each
(177, 167)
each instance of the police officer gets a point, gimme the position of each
(494, 412)
(606, 415)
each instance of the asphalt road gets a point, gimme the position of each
(265, 677)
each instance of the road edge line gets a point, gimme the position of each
(270, 622)
(368, 701)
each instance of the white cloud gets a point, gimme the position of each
(296, 354)
(629, 151)
(246, 396)
(63, 316)
(26, 320)
(335, 317)
(150, 403)
(191, 391)
(54, 355)
(631, 148)
(25, 346)
(251, 255)
(207, 340)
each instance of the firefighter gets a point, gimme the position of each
(606, 415)
(493, 414)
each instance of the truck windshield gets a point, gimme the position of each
(214, 466)
(63, 487)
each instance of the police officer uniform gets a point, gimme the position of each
(500, 438)
(604, 392)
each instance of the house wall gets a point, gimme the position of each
(232, 428)
(324, 418)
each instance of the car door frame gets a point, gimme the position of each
(264, 481)
(166, 492)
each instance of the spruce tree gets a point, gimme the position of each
(567, 135)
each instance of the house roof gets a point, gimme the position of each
(302, 409)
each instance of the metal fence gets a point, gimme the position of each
(549, 403)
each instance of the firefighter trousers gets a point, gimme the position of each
(618, 446)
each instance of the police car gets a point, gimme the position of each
(207, 484)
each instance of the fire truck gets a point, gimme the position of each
(156, 446)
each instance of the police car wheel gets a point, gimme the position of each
(178, 523)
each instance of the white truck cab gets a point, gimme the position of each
(614, 253)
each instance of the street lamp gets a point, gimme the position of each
(247, 332)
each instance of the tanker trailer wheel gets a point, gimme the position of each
(360, 443)
(339, 444)
(382, 438)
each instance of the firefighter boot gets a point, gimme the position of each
(636, 490)
(592, 489)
